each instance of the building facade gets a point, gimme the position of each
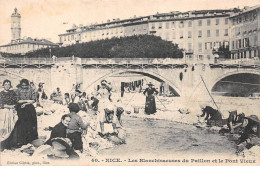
(197, 32)
(22, 46)
(245, 33)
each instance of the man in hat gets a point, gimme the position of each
(150, 106)
(250, 137)
(60, 129)
(75, 127)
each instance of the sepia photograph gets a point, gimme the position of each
(130, 83)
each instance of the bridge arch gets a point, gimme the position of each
(242, 74)
(148, 73)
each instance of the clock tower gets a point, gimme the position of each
(15, 25)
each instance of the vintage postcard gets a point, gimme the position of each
(130, 83)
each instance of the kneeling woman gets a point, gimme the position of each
(25, 130)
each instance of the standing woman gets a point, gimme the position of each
(150, 106)
(25, 130)
(8, 115)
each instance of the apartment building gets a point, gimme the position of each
(197, 32)
(245, 33)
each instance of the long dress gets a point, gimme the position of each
(25, 129)
(150, 106)
(8, 116)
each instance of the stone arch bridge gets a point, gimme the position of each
(183, 77)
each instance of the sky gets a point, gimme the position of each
(49, 18)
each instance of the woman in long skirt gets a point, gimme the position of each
(150, 106)
(8, 115)
(25, 130)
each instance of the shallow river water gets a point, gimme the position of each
(162, 138)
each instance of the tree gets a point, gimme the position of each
(222, 51)
(141, 46)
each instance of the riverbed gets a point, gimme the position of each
(161, 138)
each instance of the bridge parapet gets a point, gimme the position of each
(133, 61)
(241, 63)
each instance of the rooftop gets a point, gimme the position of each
(171, 14)
(31, 41)
(245, 10)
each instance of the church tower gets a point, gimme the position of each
(15, 25)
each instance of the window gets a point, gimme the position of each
(246, 42)
(216, 45)
(181, 24)
(226, 21)
(208, 45)
(189, 34)
(72, 37)
(189, 47)
(200, 57)
(226, 32)
(208, 22)
(199, 22)
(167, 25)
(181, 34)
(173, 35)
(208, 56)
(167, 36)
(239, 20)
(64, 39)
(153, 25)
(173, 24)
(239, 44)
(190, 23)
(226, 44)
(217, 33)
(200, 46)
(200, 34)
(208, 33)
(233, 44)
(69, 38)
(29, 45)
(255, 40)
(160, 25)
(60, 39)
(217, 21)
